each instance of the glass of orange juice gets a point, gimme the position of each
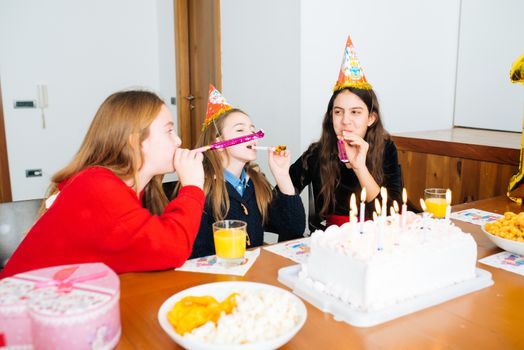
(435, 200)
(230, 241)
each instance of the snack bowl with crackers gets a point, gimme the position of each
(232, 315)
(507, 232)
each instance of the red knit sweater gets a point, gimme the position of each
(98, 218)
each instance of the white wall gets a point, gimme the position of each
(261, 67)
(83, 50)
(167, 60)
(491, 39)
(407, 49)
(166, 53)
(280, 60)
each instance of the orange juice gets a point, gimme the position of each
(436, 206)
(230, 243)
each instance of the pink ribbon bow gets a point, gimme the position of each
(63, 280)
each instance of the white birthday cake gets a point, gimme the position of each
(385, 264)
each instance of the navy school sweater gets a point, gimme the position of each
(286, 217)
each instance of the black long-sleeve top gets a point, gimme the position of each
(286, 217)
(348, 181)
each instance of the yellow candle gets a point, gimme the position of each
(230, 243)
(436, 206)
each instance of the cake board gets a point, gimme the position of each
(360, 318)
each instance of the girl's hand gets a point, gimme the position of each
(356, 149)
(279, 163)
(188, 165)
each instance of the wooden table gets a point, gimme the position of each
(491, 318)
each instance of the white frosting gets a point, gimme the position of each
(428, 255)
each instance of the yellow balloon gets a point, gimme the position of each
(516, 183)
(516, 73)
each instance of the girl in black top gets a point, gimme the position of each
(353, 120)
(352, 115)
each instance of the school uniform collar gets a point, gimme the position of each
(239, 184)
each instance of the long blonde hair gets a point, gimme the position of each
(215, 186)
(113, 142)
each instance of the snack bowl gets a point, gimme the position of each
(504, 243)
(220, 291)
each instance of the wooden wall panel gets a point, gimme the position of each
(455, 182)
(468, 179)
(488, 173)
(480, 152)
(413, 173)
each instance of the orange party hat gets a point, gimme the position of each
(351, 73)
(216, 106)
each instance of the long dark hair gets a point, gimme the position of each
(326, 146)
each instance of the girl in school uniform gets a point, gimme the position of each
(235, 187)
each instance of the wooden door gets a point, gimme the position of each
(5, 182)
(197, 36)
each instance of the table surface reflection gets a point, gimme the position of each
(487, 319)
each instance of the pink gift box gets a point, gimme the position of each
(61, 307)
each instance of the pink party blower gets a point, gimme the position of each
(235, 141)
(342, 155)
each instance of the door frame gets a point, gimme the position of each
(189, 127)
(5, 180)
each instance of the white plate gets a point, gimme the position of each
(356, 317)
(506, 244)
(220, 291)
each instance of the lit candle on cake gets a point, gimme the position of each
(362, 209)
(375, 221)
(353, 208)
(396, 213)
(353, 216)
(379, 222)
(395, 221)
(425, 216)
(384, 195)
(423, 206)
(378, 208)
(404, 208)
(448, 207)
(395, 207)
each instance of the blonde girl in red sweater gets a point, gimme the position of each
(95, 213)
